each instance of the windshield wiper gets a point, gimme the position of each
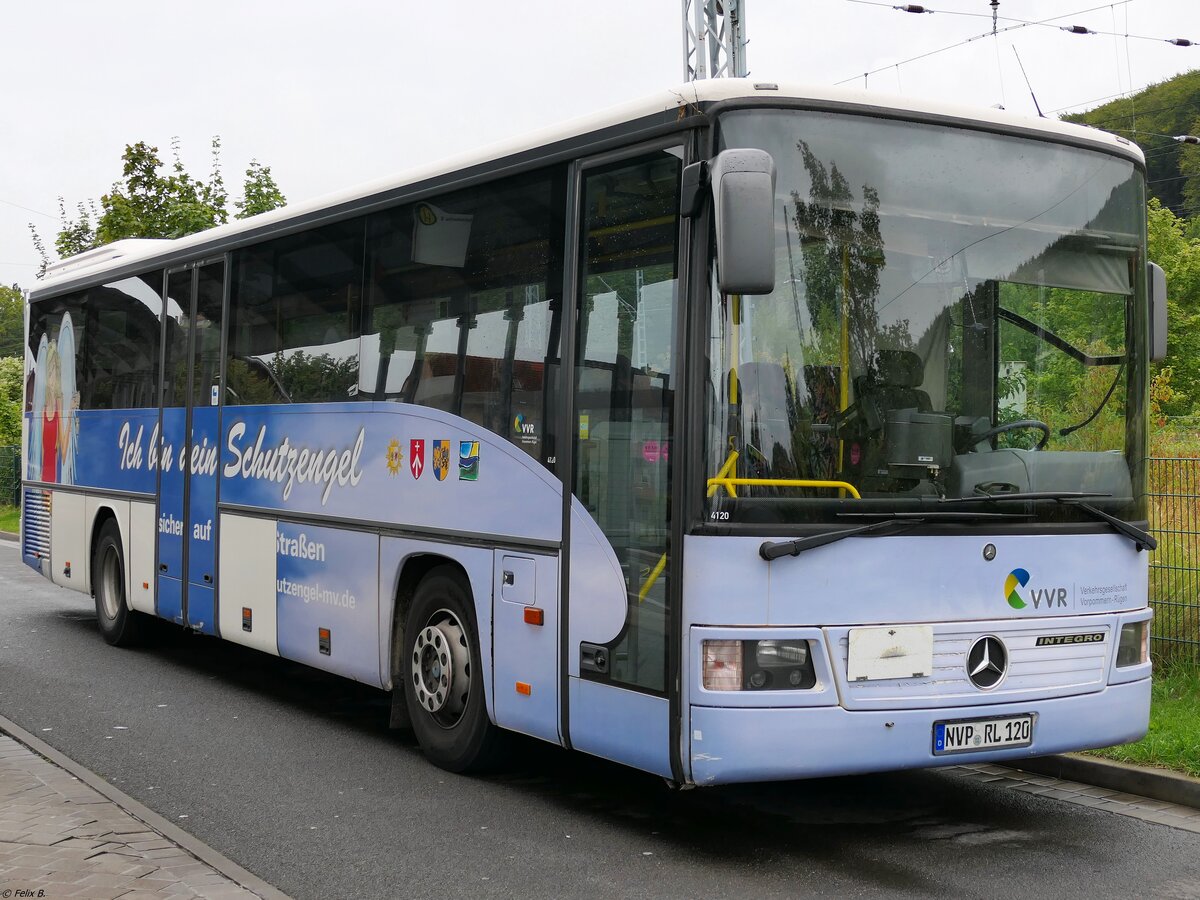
(981, 495)
(900, 520)
(1142, 539)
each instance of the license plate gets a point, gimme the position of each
(964, 735)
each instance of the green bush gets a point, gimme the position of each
(12, 392)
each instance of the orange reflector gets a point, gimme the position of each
(145, 585)
(534, 616)
(524, 687)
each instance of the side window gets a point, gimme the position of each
(178, 327)
(459, 314)
(96, 349)
(624, 389)
(206, 351)
(118, 364)
(294, 318)
(56, 329)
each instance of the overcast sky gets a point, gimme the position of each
(330, 94)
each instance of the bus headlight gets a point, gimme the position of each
(773, 654)
(769, 665)
(1134, 646)
(779, 666)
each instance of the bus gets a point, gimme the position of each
(746, 432)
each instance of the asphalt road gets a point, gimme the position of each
(293, 774)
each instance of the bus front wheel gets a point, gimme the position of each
(119, 625)
(443, 676)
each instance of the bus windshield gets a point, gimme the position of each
(955, 313)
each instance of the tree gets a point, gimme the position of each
(12, 393)
(154, 201)
(1151, 117)
(1179, 256)
(12, 321)
(260, 193)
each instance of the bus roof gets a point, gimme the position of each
(123, 255)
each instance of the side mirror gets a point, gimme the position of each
(743, 186)
(1156, 284)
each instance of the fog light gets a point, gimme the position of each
(722, 665)
(1134, 647)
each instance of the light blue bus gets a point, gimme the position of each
(743, 433)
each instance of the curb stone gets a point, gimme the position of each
(171, 832)
(1157, 784)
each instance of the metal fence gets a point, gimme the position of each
(1175, 565)
(10, 476)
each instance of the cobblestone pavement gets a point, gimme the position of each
(1171, 814)
(60, 838)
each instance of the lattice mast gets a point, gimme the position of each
(714, 39)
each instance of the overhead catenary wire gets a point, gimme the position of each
(1148, 112)
(1074, 29)
(36, 212)
(1020, 23)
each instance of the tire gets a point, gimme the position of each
(119, 625)
(443, 676)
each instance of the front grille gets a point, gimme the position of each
(1032, 671)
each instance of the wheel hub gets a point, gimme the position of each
(110, 582)
(440, 667)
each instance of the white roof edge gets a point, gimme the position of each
(128, 248)
(709, 91)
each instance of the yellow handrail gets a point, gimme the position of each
(723, 473)
(728, 484)
(652, 577)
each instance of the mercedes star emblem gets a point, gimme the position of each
(987, 661)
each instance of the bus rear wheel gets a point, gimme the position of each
(119, 625)
(443, 676)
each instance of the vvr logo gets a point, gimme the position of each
(1042, 598)
(520, 426)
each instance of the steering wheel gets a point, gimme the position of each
(1014, 426)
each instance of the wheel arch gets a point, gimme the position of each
(411, 561)
(412, 570)
(101, 511)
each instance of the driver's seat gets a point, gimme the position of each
(898, 376)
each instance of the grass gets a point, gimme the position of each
(10, 518)
(1173, 741)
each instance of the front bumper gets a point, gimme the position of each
(772, 744)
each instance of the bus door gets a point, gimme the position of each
(623, 456)
(188, 446)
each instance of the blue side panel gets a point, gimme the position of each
(388, 462)
(170, 598)
(624, 726)
(172, 519)
(526, 653)
(103, 448)
(202, 520)
(114, 449)
(326, 578)
(201, 608)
